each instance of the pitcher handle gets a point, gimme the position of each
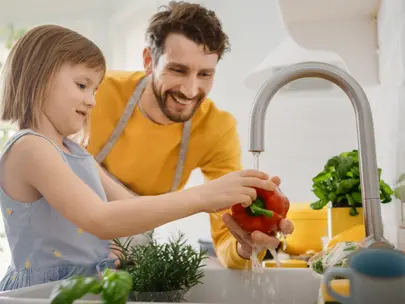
(338, 272)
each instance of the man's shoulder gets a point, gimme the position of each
(114, 92)
(121, 80)
(214, 119)
(112, 96)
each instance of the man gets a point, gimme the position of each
(151, 129)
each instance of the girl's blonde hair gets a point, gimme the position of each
(30, 65)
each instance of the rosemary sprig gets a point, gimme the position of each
(154, 267)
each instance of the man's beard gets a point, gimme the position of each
(162, 100)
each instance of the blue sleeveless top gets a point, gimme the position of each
(44, 245)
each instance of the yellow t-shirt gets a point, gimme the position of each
(145, 156)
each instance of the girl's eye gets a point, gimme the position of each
(81, 86)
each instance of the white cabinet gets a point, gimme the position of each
(345, 27)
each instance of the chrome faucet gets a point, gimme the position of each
(365, 134)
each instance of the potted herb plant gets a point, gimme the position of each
(338, 185)
(161, 272)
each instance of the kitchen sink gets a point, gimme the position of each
(272, 285)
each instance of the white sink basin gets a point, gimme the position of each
(274, 285)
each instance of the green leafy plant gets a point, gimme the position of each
(114, 288)
(339, 183)
(157, 268)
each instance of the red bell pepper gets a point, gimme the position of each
(264, 214)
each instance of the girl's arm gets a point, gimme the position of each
(41, 167)
(113, 190)
(38, 165)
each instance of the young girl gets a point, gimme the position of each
(53, 194)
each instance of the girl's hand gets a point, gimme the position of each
(257, 240)
(231, 189)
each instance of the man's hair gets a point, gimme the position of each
(191, 20)
(33, 60)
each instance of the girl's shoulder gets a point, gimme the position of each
(27, 141)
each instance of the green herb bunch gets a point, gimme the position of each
(113, 287)
(339, 183)
(156, 267)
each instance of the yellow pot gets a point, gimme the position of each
(309, 227)
(354, 234)
(339, 220)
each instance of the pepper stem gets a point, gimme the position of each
(256, 209)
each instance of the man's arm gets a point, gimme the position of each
(225, 157)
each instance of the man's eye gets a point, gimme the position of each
(177, 70)
(205, 75)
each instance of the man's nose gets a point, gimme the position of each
(190, 87)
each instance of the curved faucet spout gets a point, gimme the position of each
(365, 131)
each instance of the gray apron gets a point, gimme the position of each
(119, 128)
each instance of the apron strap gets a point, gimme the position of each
(119, 128)
(129, 109)
(182, 155)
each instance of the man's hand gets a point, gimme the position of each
(258, 240)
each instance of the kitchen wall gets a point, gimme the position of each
(302, 132)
